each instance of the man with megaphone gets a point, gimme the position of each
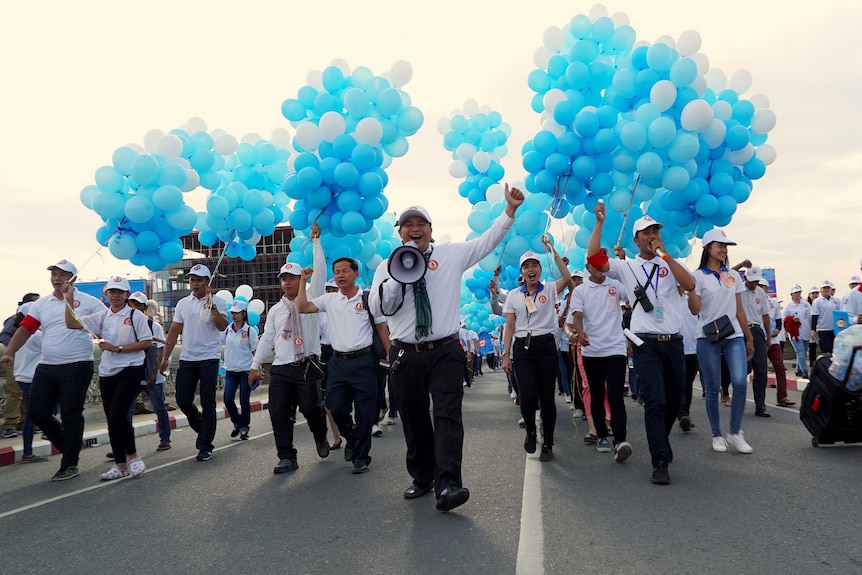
(425, 354)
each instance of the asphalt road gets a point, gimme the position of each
(787, 508)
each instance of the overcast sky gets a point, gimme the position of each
(80, 79)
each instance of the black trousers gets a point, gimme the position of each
(434, 450)
(67, 383)
(352, 386)
(607, 372)
(292, 386)
(536, 368)
(118, 393)
(203, 422)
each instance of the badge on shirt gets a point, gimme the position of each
(659, 313)
(531, 305)
(297, 342)
(727, 279)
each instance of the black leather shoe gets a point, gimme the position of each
(359, 467)
(349, 448)
(415, 491)
(547, 453)
(762, 414)
(452, 497)
(322, 448)
(285, 466)
(660, 475)
(235, 432)
(530, 443)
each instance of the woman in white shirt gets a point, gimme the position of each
(531, 321)
(716, 298)
(240, 342)
(123, 336)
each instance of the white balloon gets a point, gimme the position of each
(760, 101)
(315, 79)
(714, 135)
(331, 125)
(740, 81)
(663, 94)
(598, 11)
(458, 169)
(671, 42)
(169, 147)
(257, 306)
(689, 43)
(244, 291)
(225, 145)
(722, 110)
(368, 131)
(763, 121)
(740, 157)
(553, 39)
(697, 116)
(471, 107)
(553, 127)
(196, 125)
(308, 136)
(342, 65)
(699, 85)
(193, 180)
(495, 193)
(552, 97)
(225, 295)
(252, 138)
(443, 126)
(152, 139)
(766, 153)
(716, 80)
(702, 61)
(465, 151)
(280, 137)
(541, 57)
(619, 19)
(401, 73)
(481, 161)
(291, 163)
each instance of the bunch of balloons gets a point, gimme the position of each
(244, 293)
(141, 195)
(647, 127)
(349, 126)
(477, 138)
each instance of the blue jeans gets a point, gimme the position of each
(28, 423)
(800, 347)
(709, 355)
(233, 381)
(157, 398)
(564, 373)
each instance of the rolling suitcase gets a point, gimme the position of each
(829, 411)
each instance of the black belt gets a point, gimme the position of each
(421, 346)
(755, 325)
(351, 354)
(660, 336)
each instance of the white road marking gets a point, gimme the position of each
(531, 542)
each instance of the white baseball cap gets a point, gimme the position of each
(330, 283)
(529, 256)
(827, 283)
(64, 265)
(716, 235)
(643, 223)
(796, 289)
(290, 268)
(763, 282)
(238, 306)
(119, 283)
(577, 274)
(139, 297)
(200, 270)
(814, 289)
(855, 280)
(412, 211)
(754, 274)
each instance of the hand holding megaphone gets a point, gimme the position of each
(407, 264)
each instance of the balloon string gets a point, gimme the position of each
(629, 209)
(221, 257)
(691, 242)
(103, 244)
(74, 315)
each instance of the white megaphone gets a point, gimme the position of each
(407, 264)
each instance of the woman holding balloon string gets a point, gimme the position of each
(531, 324)
(240, 342)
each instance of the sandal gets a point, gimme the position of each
(136, 467)
(336, 445)
(114, 473)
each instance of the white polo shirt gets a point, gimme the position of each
(201, 341)
(158, 333)
(853, 305)
(823, 308)
(776, 315)
(350, 328)
(541, 322)
(27, 358)
(61, 345)
(603, 321)
(443, 281)
(688, 329)
(666, 316)
(802, 310)
(717, 298)
(756, 306)
(323, 324)
(239, 347)
(119, 329)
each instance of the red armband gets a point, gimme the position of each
(598, 260)
(30, 323)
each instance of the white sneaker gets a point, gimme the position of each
(568, 399)
(719, 444)
(389, 421)
(376, 430)
(579, 413)
(513, 394)
(737, 441)
(622, 451)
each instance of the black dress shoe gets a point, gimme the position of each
(762, 413)
(349, 448)
(322, 448)
(530, 443)
(452, 497)
(415, 490)
(359, 467)
(285, 466)
(235, 432)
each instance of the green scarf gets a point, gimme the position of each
(423, 304)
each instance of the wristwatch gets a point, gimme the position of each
(120, 349)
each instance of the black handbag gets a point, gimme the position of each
(719, 329)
